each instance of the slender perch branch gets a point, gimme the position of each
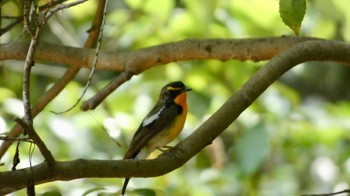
(203, 136)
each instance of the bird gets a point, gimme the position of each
(161, 125)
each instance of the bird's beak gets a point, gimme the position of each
(187, 89)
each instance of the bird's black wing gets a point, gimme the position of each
(146, 131)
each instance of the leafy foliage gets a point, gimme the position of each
(292, 13)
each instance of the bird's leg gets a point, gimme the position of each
(168, 150)
(172, 148)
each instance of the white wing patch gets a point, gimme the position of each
(152, 118)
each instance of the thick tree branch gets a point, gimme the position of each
(135, 62)
(203, 136)
(255, 49)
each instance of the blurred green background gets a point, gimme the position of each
(293, 140)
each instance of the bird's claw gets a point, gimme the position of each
(169, 150)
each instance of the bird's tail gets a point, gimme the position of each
(142, 154)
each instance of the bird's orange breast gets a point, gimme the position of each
(169, 134)
(181, 101)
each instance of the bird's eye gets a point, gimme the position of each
(166, 95)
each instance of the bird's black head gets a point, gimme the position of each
(172, 90)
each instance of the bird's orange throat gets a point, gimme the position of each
(181, 100)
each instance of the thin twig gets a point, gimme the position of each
(94, 101)
(35, 15)
(29, 62)
(50, 4)
(25, 17)
(27, 125)
(37, 140)
(9, 26)
(105, 130)
(328, 194)
(6, 138)
(60, 7)
(26, 20)
(94, 63)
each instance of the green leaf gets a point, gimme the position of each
(292, 13)
(253, 148)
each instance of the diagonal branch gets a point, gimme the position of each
(203, 136)
(93, 102)
(38, 141)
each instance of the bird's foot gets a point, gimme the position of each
(169, 150)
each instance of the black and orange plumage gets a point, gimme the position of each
(161, 125)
